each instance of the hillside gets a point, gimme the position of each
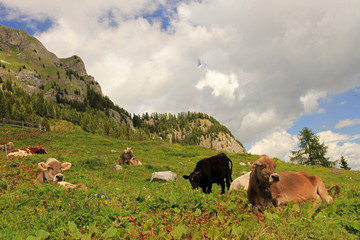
(28, 63)
(125, 205)
(28, 68)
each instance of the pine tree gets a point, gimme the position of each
(311, 151)
(344, 164)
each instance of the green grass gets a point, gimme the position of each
(125, 205)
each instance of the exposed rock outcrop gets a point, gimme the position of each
(220, 141)
(223, 142)
(41, 70)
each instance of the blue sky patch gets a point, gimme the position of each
(162, 14)
(345, 104)
(31, 26)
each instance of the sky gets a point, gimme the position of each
(264, 69)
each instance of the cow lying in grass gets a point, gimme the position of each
(51, 173)
(27, 151)
(127, 157)
(268, 188)
(241, 182)
(7, 147)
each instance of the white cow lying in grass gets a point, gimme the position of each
(51, 173)
(241, 182)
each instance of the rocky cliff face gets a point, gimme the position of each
(25, 61)
(220, 141)
(21, 41)
(223, 142)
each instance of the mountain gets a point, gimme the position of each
(67, 92)
(27, 62)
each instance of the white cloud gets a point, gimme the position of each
(321, 111)
(347, 123)
(310, 100)
(342, 145)
(222, 84)
(269, 65)
(277, 144)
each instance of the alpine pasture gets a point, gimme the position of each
(124, 204)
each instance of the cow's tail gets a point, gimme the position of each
(337, 190)
(231, 170)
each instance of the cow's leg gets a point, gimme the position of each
(204, 189)
(279, 200)
(209, 188)
(320, 190)
(228, 182)
(222, 184)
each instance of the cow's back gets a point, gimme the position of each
(295, 186)
(216, 166)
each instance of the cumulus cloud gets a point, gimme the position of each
(342, 145)
(310, 100)
(267, 63)
(347, 123)
(222, 84)
(278, 144)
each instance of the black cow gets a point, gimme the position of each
(211, 170)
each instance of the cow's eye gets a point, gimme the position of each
(50, 168)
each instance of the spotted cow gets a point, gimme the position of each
(27, 151)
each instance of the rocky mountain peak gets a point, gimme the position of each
(28, 63)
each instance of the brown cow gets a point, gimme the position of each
(268, 188)
(51, 173)
(127, 157)
(8, 147)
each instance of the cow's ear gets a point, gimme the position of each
(65, 166)
(42, 166)
(186, 177)
(253, 165)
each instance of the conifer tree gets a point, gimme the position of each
(344, 164)
(311, 151)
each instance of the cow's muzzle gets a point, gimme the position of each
(59, 178)
(274, 178)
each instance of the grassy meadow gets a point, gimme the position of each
(126, 205)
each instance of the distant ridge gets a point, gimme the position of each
(69, 93)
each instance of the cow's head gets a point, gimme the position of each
(40, 150)
(128, 150)
(52, 170)
(265, 170)
(194, 179)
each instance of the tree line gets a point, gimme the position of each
(184, 127)
(96, 114)
(16, 104)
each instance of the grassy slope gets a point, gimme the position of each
(124, 204)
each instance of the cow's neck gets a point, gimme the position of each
(263, 191)
(44, 178)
